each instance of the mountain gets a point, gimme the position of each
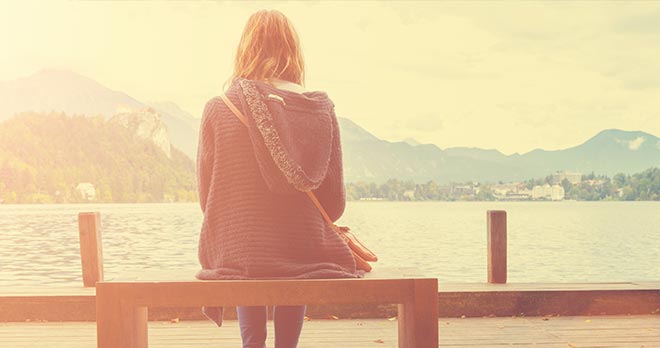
(171, 109)
(476, 153)
(47, 158)
(411, 142)
(183, 128)
(65, 91)
(367, 158)
(61, 91)
(609, 152)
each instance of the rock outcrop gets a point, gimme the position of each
(146, 124)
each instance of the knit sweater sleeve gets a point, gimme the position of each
(332, 193)
(205, 153)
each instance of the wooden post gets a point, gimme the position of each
(418, 316)
(91, 253)
(497, 246)
(119, 322)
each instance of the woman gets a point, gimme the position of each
(258, 222)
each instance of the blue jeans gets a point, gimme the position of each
(288, 325)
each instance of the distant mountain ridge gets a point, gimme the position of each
(366, 157)
(61, 91)
(65, 91)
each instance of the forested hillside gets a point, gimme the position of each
(44, 158)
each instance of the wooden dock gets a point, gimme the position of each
(18, 304)
(546, 332)
(495, 314)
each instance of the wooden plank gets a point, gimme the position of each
(464, 333)
(251, 292)
(456, 299)
(523, 287)
(46, 292)
(496, 246)
(91, 250)
(27, 291)
(188, 274)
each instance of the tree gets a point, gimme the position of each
(619, 180)
(49, 154)
(566, 185)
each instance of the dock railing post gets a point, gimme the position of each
(91, 251)
(496, 246)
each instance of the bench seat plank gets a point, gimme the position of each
(122, 302)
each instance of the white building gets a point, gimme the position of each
(501, 190)
(554, 192)
(538, 192)
(86, 190)
(557, 193)
(512, 191)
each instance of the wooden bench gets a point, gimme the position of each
(122, 304)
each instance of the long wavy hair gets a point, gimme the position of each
(269, 49)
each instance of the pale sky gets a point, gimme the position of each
(512, 76)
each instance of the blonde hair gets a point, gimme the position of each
(269, 49)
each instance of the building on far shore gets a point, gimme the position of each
(511, 192)
(547, 192)
(573, 178)
(468, 190)
(86, 190)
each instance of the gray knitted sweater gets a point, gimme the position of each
(258, 224)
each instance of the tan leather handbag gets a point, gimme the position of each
(360, 252)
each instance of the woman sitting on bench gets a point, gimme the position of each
(258, 221)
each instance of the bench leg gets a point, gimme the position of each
(418, 318)
(137, 327)
(108, 318)
(119, 324)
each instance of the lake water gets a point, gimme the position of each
(547, 241)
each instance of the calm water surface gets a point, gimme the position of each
(547, 241)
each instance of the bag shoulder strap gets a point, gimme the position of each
(310, 194)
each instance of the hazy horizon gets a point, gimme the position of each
(503, 75)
